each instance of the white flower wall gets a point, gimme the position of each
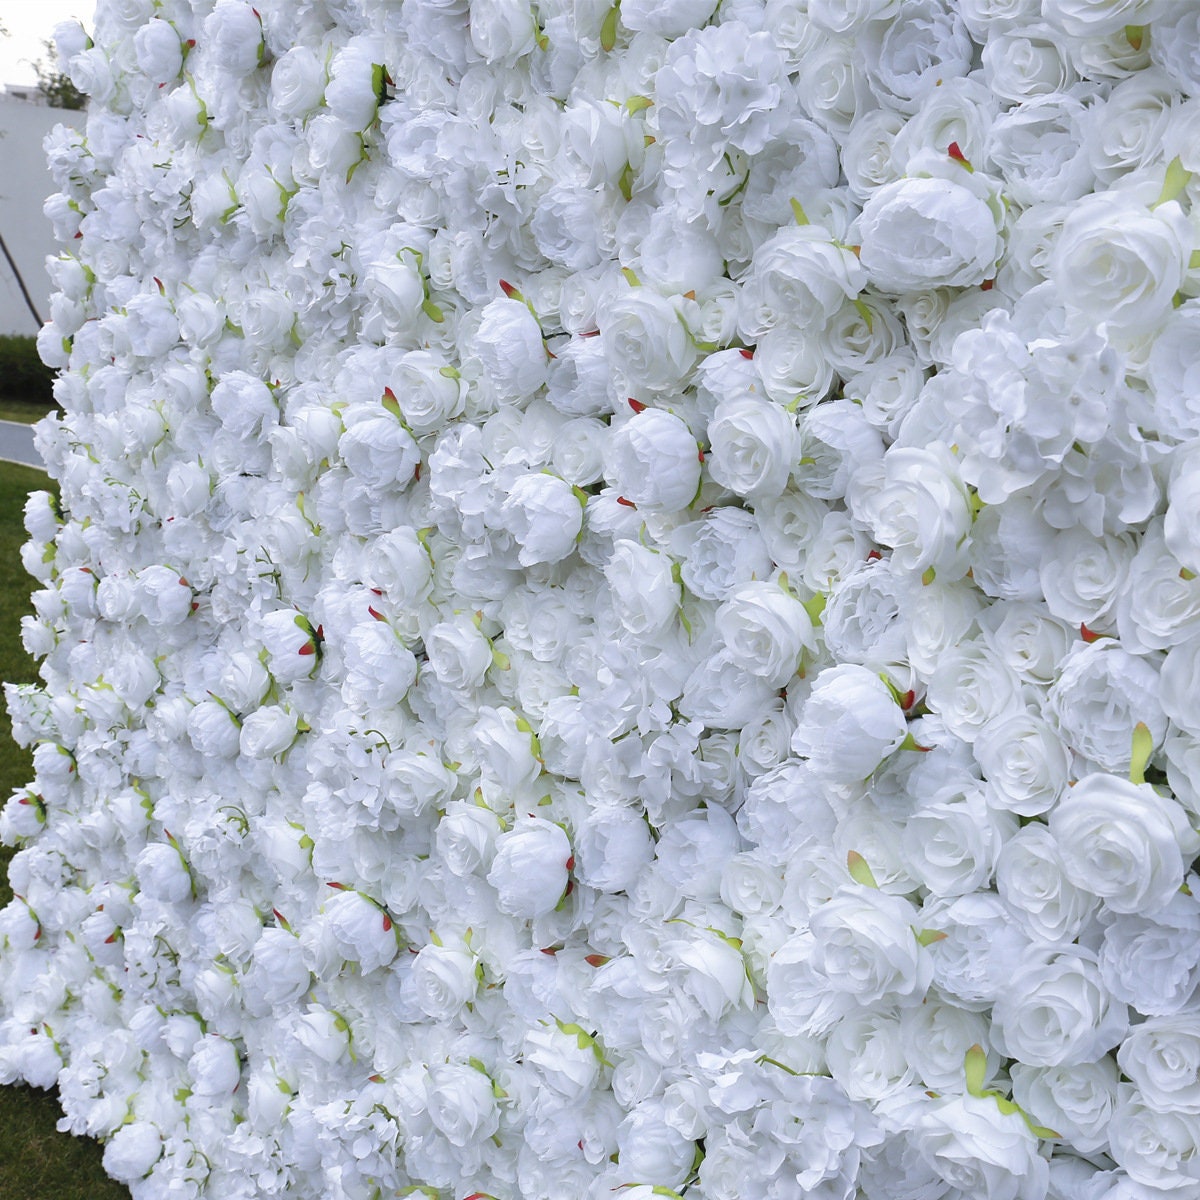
(624, 617)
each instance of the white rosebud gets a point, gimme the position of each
(849, 724)
(362, 929)
(544, 516)
(654, 460)
(530, 871)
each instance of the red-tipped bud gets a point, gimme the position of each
(507, 288)
(987, 285)
(339, 887)
(874, 556)
(387, 923)
(636, 405)
(596, 960)
(955, 153)
(571, 863)
(906, 701)
(627, 503)
(549, 950)
(746, 353)
(377, 615)
(307, 649)
(1087, 634)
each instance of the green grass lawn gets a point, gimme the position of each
(36, 1162)
(20, 410)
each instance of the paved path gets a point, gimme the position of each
(16, 445)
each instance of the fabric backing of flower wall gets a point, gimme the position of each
(624, 616)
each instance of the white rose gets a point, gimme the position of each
(647, 1146)
(545, 517)
(458, 652)
(669, 19)
(972, 686)
(297, 83)
(379, 667)
(1024, 760)
(613, 847)
(214, 1067)
(132, 1151)
(794, 365)
(935, 1037)
(849, 724)
(1183, 493)
(159, 51)
(865, 943)
(1082, 575)
(924, 233)
(1158, 1150)
(267, 732)
(163, 873)
(1161, 1057)
(1056, 1011)
(918, 504)
(979, 1151)
(1153, 963)
(654, 460)
(1031, 880)
(445, 978)
(802, 275)
(502, 30)
(352, 93)
(1120, 263)
(379, 451)
(508, 344)
(466, 837)
(951, 845)
(530, 870)
(568, 1062)
(363, 930)
(278, 976)
(1123, 842)
(645, 593)
(646, 342)
(765, 631)
(867, 1057)
(429, 392)
(753, 446)
(234, 36)
(213, 729)
(1075, 1101)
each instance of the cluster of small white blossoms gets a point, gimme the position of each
(624, 618)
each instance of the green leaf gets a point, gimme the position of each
(798, 212)
(859, 871)
(927, 937)
(975, 1065)
(432, 311)
(608, 29)
(1135, 35)
(1177, 178)
(815, 607)
(1143, 747)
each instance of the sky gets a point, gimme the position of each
(29, 23)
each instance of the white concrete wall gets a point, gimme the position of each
(24, 183)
